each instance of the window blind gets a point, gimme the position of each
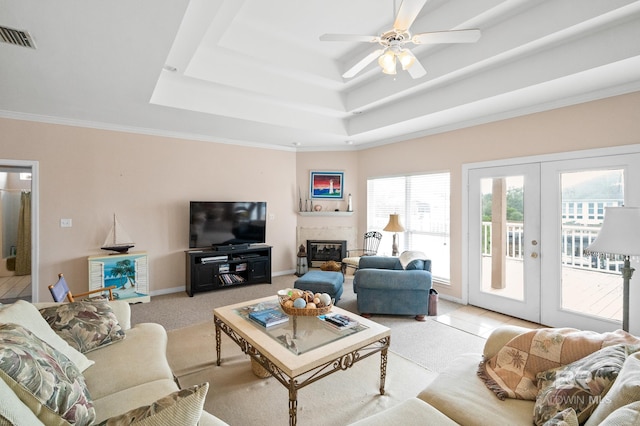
(423, 203)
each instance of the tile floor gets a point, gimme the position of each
(480, 322)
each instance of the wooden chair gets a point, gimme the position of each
(60, 291)
(370, 248)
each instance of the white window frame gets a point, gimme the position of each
(423, 202)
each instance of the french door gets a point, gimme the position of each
(528, 227)
(504, 263)
(578, 290)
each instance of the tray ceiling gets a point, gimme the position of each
(254, 72)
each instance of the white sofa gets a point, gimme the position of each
(121, 376)
(459, 396)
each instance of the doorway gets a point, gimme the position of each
(18, 230)
(528, 226)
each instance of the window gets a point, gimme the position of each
(422, 201)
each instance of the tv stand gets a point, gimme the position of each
(211, 269)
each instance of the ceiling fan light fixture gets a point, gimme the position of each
(406, 59)
(387, 62)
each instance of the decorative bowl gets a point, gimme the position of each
(304, 312)
(284, 296)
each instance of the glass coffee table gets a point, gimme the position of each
(304, 349)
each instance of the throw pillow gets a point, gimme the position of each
(624, 391)
(409, 256)
(86, 325)
(182, 407)
(579, 385)
(564, 418)
(43, 378)
(415, 264)
(511, 372)
(27, 315)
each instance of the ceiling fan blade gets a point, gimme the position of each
(454, 36)
(349, 37)
(362, 63)
(408, 13)
(416, 70)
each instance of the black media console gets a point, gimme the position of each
(209, 269)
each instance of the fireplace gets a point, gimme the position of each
(320, 251)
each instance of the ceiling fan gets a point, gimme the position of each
(393, 42)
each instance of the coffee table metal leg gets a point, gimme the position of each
(293, 403)
(217, 343)
(383, 369)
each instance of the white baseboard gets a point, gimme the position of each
(168, 291)
(451, 298)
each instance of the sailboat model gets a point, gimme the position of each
(118, 240)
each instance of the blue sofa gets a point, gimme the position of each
(383, 286)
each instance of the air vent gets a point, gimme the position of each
(17, 37)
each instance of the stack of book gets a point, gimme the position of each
(230, 279)
(269, 317)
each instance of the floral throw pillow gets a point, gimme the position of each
(182, 407)
(579, 385)
(85, 325)
(43, 378)
(564, 418)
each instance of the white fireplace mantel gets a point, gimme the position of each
(325, 213)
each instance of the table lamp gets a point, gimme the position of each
(619, 238)
(395, 227)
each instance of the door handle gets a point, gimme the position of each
(534, 255)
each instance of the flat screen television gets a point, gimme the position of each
(226, 223)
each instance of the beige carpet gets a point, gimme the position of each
(430, 344)
(239, 397)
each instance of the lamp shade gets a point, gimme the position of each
(620, 233)
(387, 62)
(406, 59)
(394, 224)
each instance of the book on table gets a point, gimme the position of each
(338, 321)
(269, 317)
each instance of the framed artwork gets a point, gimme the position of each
(327, 185)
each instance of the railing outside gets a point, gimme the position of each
(574, 240)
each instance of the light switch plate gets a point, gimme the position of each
(66, 223)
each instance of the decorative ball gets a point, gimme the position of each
(316, 300)
(325, 299)
(311, 305)
(288, 304)
(299, 303)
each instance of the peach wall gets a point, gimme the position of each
(605, 123)
(87, 175)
